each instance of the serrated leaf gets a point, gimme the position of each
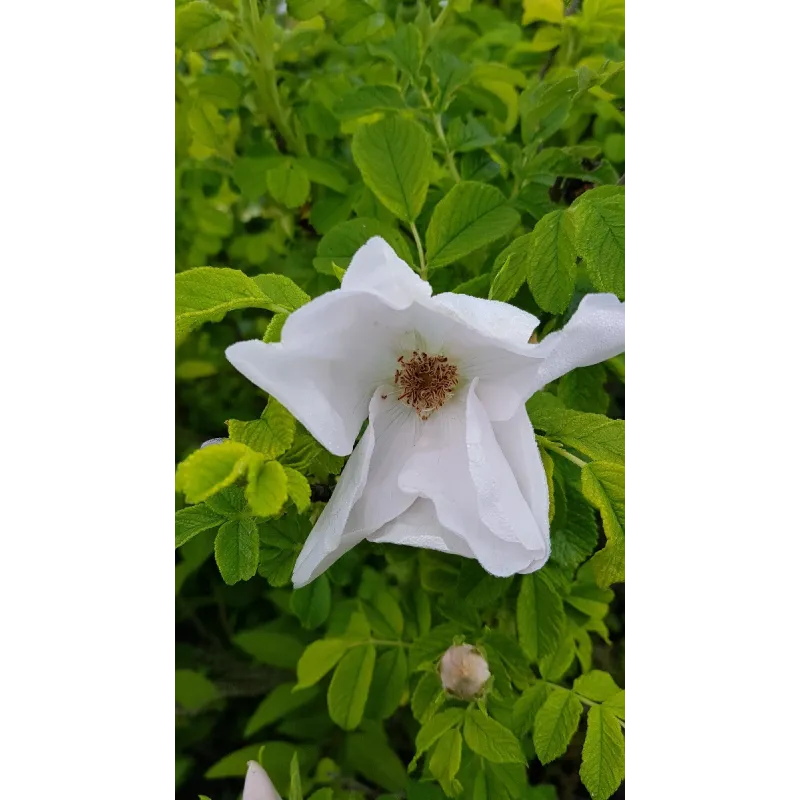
(384, 615)
(599, 225)
(280, 702)
(298, 488)
(584, 389)
(603, 485)
(546, 10)
(556, 724)
(434, 729)
(349, 687)
(236, 550)
(394, 158)
(271, 435)
(423, 701)
(318, 659)
(340, 244)
(307, 9)
(488, 738)
(367, 100)
(552, 262)
(463, 136)
(512, 266)
(574, 538)
(212, 468)
(594, 435)
(595, 685)
(288, 183)
(445, 760)
(373, 758)
(269, 647)
(389, 684)
(199, 26)
(527, 706)
(273, 332)
(554, 665)
(229, 502)
(470, 216)
(616, 704)
(603, 757)
(283, 293)
(193, 690)
(405, 49)
(540, 616)
(324, 173)
(312, 603)
(193, 520)
(267, 488)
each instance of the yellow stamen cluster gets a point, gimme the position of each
(427, 382)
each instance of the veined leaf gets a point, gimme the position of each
(488, 738)
(192, 520)
(212, 468)
(603, 757)
(556, 724)
(540, 616)
(271, 435)
(349, 688)
(603, 485)
(267, 488)
(236, 550)
(318, 659)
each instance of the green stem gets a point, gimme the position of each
(437, 124)
(555, 448)
(423, 267)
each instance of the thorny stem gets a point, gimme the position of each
(423, 267)
(555, 448)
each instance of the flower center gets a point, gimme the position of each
(427, 382)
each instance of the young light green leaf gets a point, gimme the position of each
(318, 659)
(199, 26)
(424, 700)
(298, 488)
(312, 603)
(279, 703)
(394, 157)
(599, 223)
(434, 728)
(603, 757)
(236, 550)
(603, 485)
(389, 684)
(445, 760)
(349, 688)
(552, 262)
(545, 10)
(273, 332)
(212, 468)
(540, 616)
(192, 520)
(470, 216)
(306, 9)
(288, 183)
(596, 685)
(271, 435)
(283, 293)
(555, 665)
(616, 704)
(556, 724)
(367, 100)
(267, 488)
(488, 738)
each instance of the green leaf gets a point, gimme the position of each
(199, 26)
(603, 757)
(426, 693)
(339, 245)
(595, 685)
(229, 502)
(269, 647)
(288, 183)
(306, 9)
(212, 468)
(546, 10)
(603, 485)
(583, 389)
(599, 224)
(194, 691)
(389, 684)
(273, 332)
(435, 728)
(540, 616)
(470, 216)
(296, 786)
(527, 707)
(551, 266)
(470, 135)
(574, 534)
(616, 704)
(554, 665)
(445, 760)
(367, 100)
(312, 603)
(349, 688)
(594, 435)
(394, 157)
(318, 659)
(193, 520)
(272, 435)
(384, 615)
(488, 738)
(512, 267)
(404, 49)
(236, 550)
(298, 488)
(371, 757)
(267, 488)
(279, 703)
(324, 173)
(556, 724)
(206, 294)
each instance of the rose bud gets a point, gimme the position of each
(464, 671)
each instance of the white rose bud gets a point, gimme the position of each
(464, 671)
(257, 785)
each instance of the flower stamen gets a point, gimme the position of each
(427, 382)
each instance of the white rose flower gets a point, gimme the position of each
(464, 671)
(257, 785)
(448, 460)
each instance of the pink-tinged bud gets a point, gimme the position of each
(464, 671)
(257, 785)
